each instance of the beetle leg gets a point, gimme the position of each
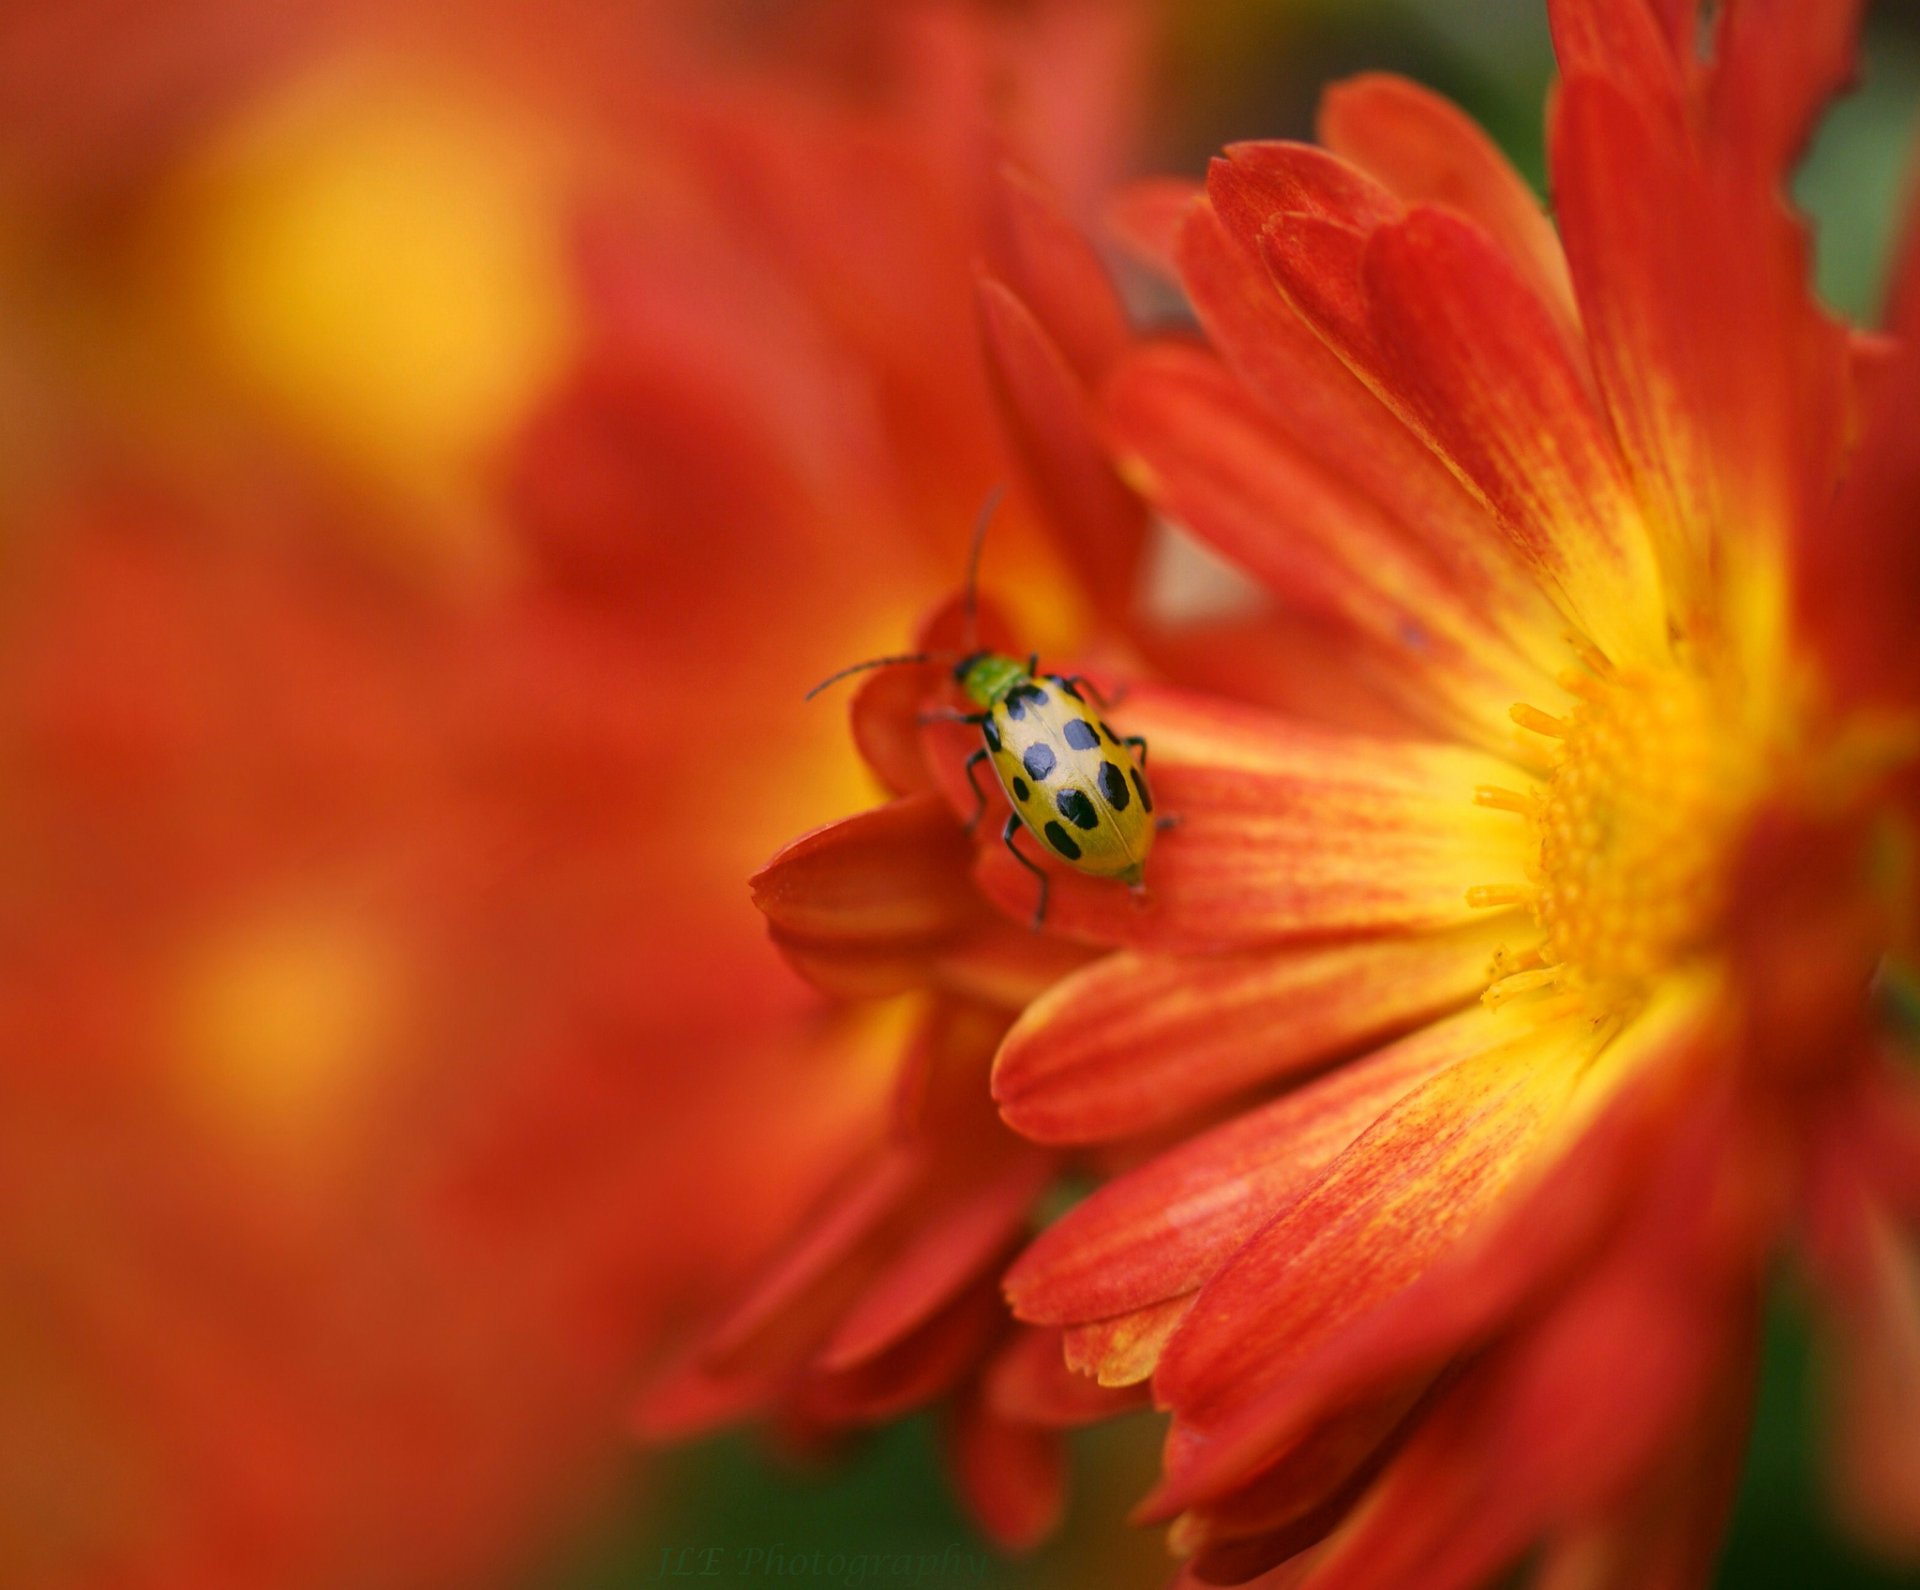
(948, 715)
(979, 795)
(1081, 682)
(1139, 743)
(1006, 838)
(1171, 820)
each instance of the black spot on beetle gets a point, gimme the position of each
(1080, 734)
(1113, 785)
(1077, 809)
(991, 732)
(1020, 697)
(1146, 800)
(1062, 841)
(1067, 685)
(1038, 761)
(1021, 788)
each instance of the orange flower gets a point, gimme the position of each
(887, 1296)
(1510, 1029)
(436, 482)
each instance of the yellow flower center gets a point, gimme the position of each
(1627, 837)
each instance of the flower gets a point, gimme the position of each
(1506, 1032)
(885, 1298)
(434, 475)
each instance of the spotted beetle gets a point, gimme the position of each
(1078, 788)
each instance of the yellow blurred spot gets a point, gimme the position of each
(284, 1018)
(382, 256)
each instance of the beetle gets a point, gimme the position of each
(1078, 788)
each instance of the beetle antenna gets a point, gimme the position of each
(972, 607)
(871, 662)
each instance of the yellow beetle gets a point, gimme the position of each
(1079, 789)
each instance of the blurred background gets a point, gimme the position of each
(438, 446)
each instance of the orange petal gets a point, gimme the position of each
(1727, 384)
(1875, 1375)
(1397, 1201)
(1004, 964)
(1043, 259)
(1170, 1226)
(885, 718)
(1307, 666)
(1409, 1306)
(1030, 1382)
(914, 1370)
(1135, 1042)
(1627, 43)
(1218, 463)
(1332, 416)
(1300, 1499)
(806, 1287)
(949, 1247)
(1284, 831)
(1145, 218)
(1256, 181)
(689, 1399)
(1011, 1476)
(1465, 352)
(1124, 1351)
(1631, 1392)
(1100, 525)
(1858, 575)
(1778, 63)
(888, 884)
(1426, 150)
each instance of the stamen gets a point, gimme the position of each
(1506, 962)
(1625, 856)
(1503, 800)
(1583, 685)
(1589, 653)
(1511, 988)
(1540, 722)
(1573, 1001)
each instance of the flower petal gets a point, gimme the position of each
(1100, 524)
(1217, 462)
(1170, 1226)
(1426, 150)
(885, 720)
(1124, 1351)
(1431, 314)
(1145, 218)
(886, 873)
(1044, 260)
(914, 1370)
(1012, 1476)
(1875, 1375)
(1588, 1135)
(1728, 386)
(797, 1298)
(1332, 416)
(1398, 1200)
(1135, 1042)
(1629, 44)
(1858, 576)
(1325, 408)
(948, 1247)
(1030, 1382)
(1284, 831)
(1778, 62)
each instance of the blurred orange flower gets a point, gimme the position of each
(449, 443)
(1603, 826)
